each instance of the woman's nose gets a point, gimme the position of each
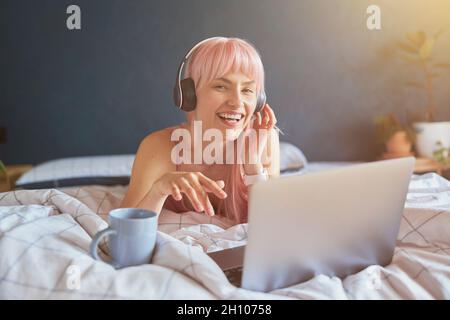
(235, 99)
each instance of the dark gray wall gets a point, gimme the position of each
(101, 89)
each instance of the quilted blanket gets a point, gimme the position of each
(45, 236)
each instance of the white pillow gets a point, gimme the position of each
(291, 158)
(116, 169)
(105, 170)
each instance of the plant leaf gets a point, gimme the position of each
(409, 58)
(417, 38)
(438, 33)
(426, 48)
(408, 48)
(2, 167)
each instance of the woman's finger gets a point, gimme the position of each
(266, 117)
(263, 118)
(210, 211)
(270, 122)
(273, 118)
(190, 192)
(176, 194)
(203, 197)
(212, 186)
(259, 118)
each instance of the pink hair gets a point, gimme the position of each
(219, 56)
(214, 59)
(234, 207)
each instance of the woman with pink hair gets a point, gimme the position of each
(226, 77)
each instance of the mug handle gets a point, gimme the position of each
(97, 238)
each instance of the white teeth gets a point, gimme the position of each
(230, 116)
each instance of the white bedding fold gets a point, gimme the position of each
(45, 236)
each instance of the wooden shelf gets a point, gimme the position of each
(426, 165)
(13, 173)
(422, 165)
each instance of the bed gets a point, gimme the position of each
(45, 235)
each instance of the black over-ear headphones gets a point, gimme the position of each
(184, 90)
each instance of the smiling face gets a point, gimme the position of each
(226, 103)
(228, 74)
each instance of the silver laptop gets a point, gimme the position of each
(334, 222)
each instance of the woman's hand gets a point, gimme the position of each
(262, 120)
(195, 185)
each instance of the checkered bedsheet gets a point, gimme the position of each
(45, 236)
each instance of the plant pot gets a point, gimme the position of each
(399, 144)
(428, 134)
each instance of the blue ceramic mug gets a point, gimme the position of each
(131, 234)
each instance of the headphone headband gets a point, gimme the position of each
(184, 90)
(180, 70)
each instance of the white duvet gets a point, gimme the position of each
(45, 237)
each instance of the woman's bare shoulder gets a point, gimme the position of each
(157, 145)
(160, 138)
(151, 162)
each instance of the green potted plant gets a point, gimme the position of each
(417, 49)
(2, 168)
(396, 137)
(442, 154)
(3, 172)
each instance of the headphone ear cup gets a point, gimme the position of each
(188, 92)
(260, 101)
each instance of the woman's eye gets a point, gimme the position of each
(247, 90)
(219, 87)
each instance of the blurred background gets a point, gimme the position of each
(101, 89)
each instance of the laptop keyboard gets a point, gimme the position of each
(234, 275)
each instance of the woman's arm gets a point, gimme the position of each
(273, 152)
(151, 162)
(270, 157)
(268, 142)
(154, 178)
